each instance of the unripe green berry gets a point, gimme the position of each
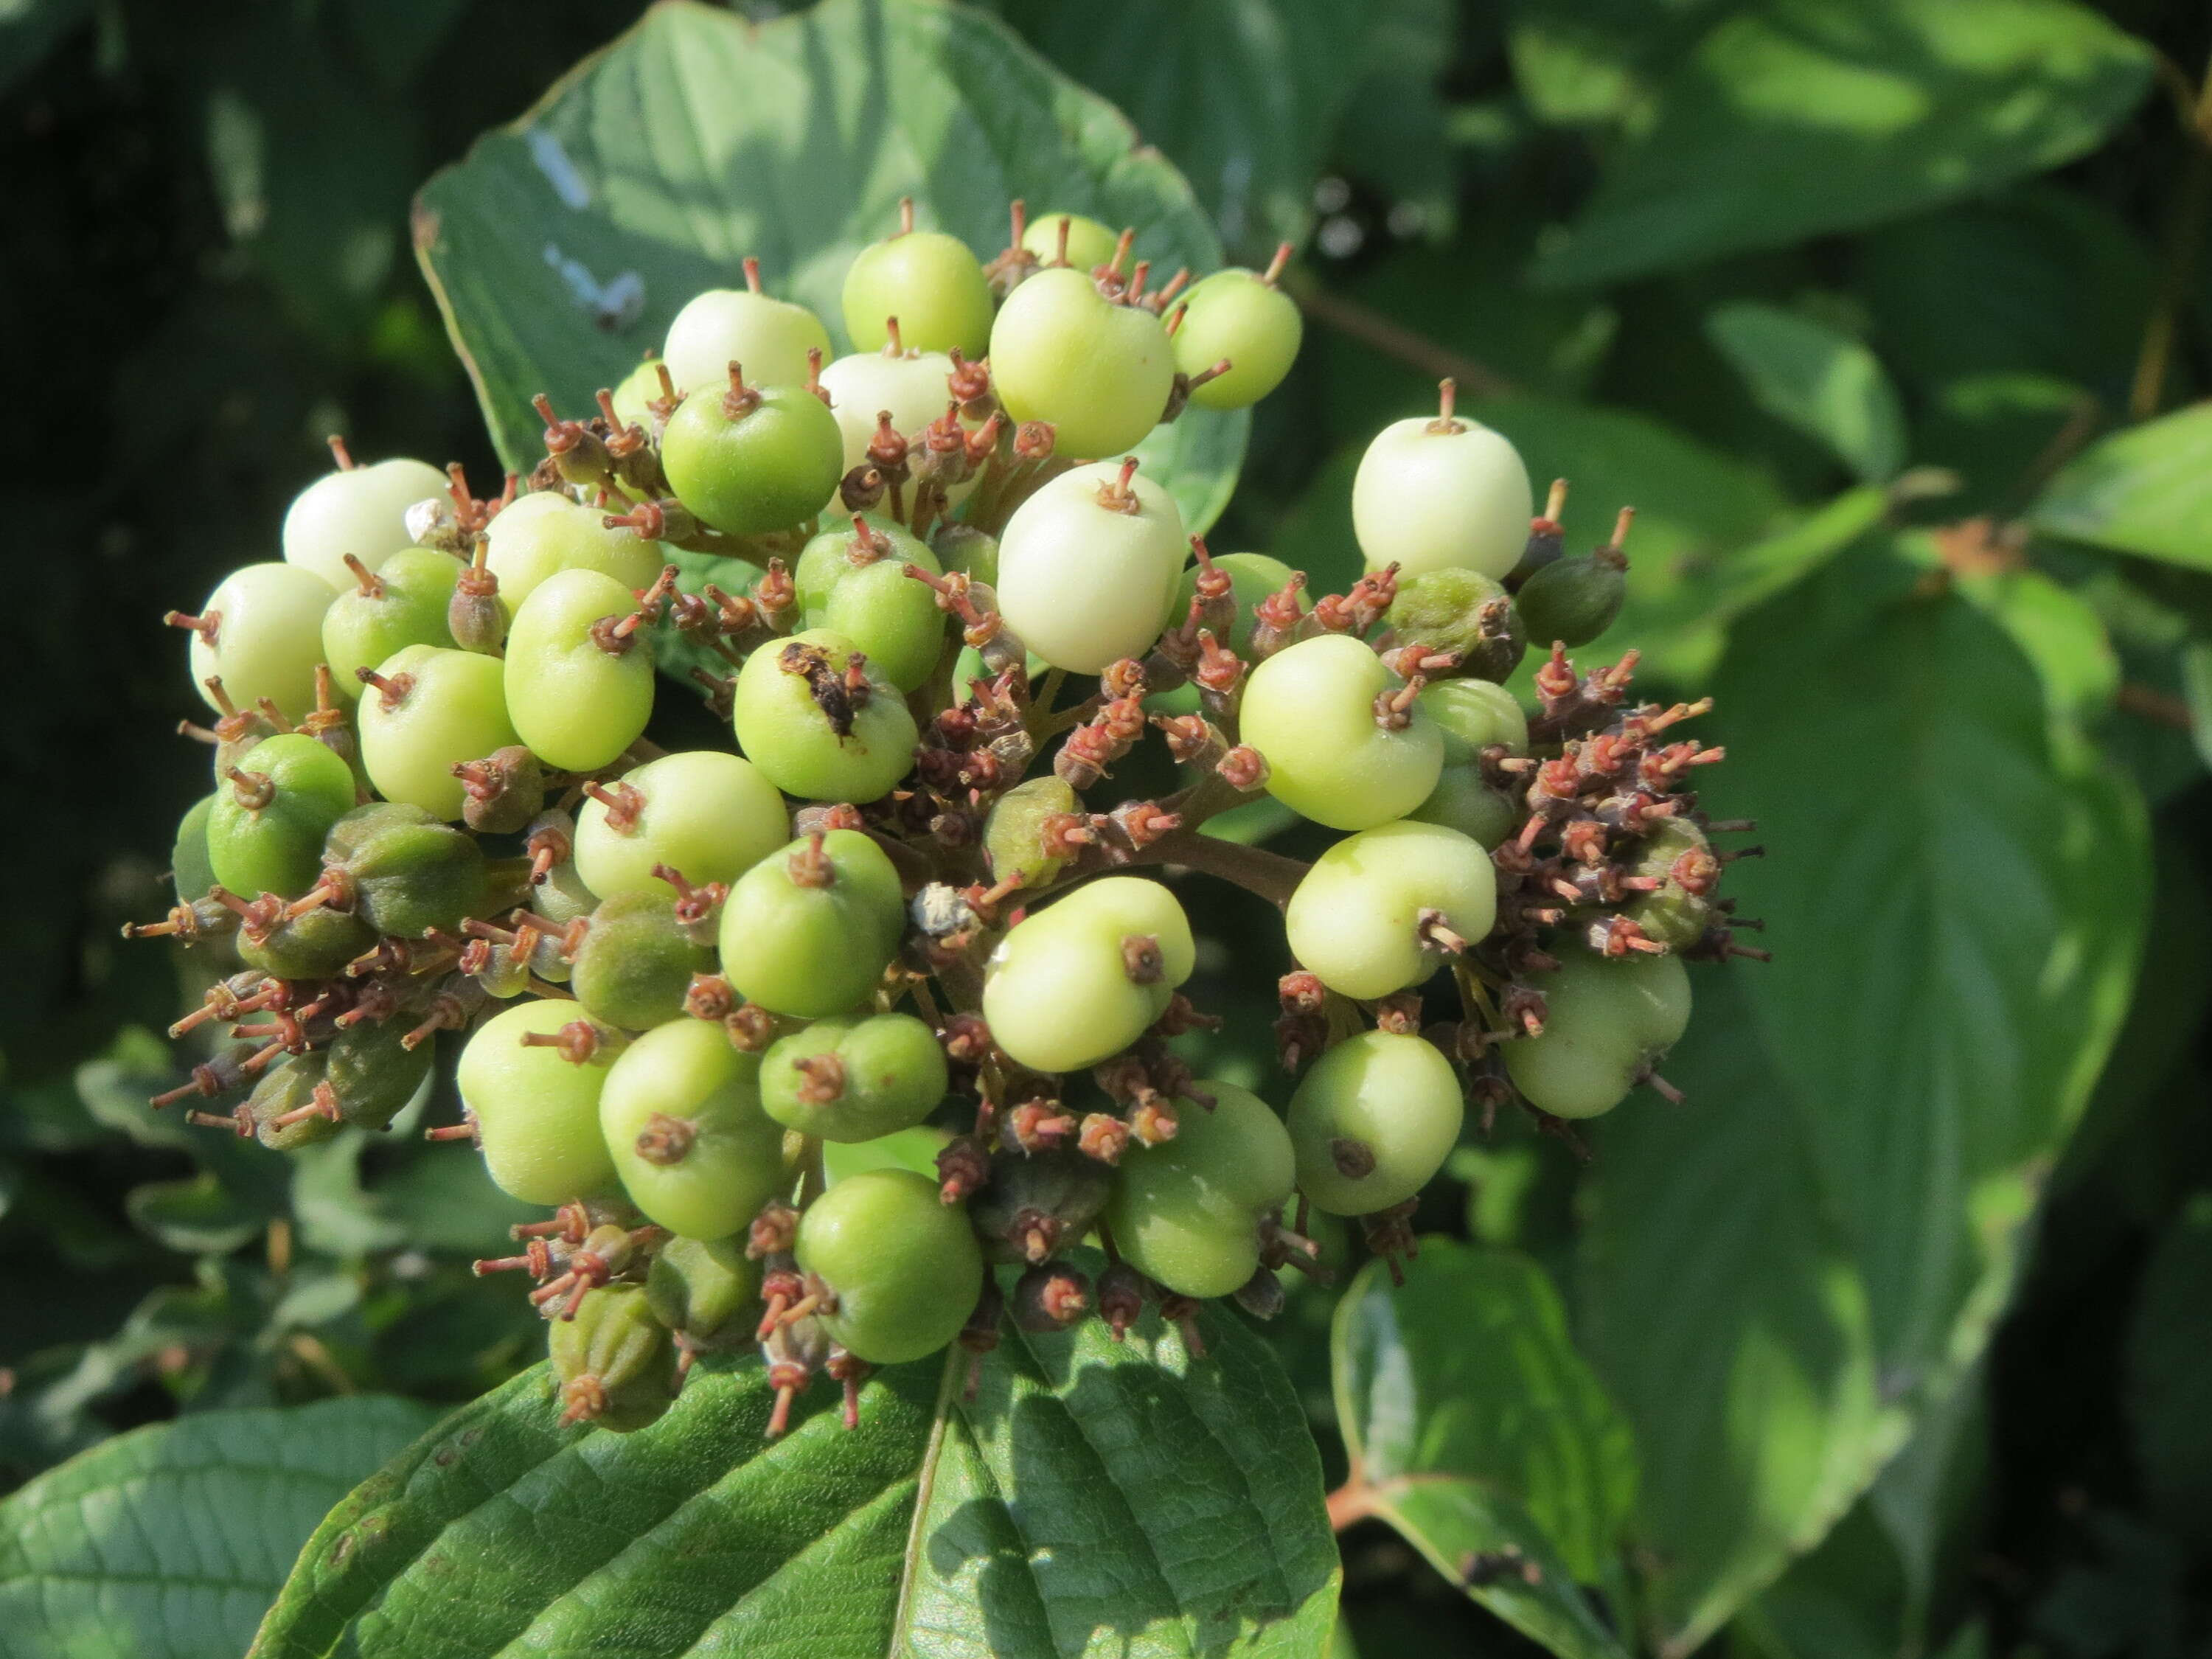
(1433, 493)
(808, 931)
(1464, 612)
(852, 580)
(265, 831)
(404, 604)
(904, 1267)
(1035, 1203)
(635, 961)
(753, 460)
(428, 710)
(1677, 912)
(408, 873)
(1083, 979)
(1475, 715)
(821, 725)
(546, 531)
(1572, 601)
(261, 634)
(1090, 244)
(1382, 910)
(1098, 371)
(1312, 710)
(930, 282)
(614, 1361)
(1608, 1021)
(1088, 564)
(359, 510)
(1013, 839)
(707, 813)
(681, 1116)
(1242, 317)
(852, 1078)
(578, 689)
(536, 1111)
(1372, 1122)
(192, 871)
(1187, 1212)
(704, 1289)
(770, 337)
(315, 945)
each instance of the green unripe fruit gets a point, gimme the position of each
(808, 931)
(544, 533)
(362, 511)
(910, 386)
(315, 945)
(1380, 911)
(403, 604)
(851, 1078)
(926, 279)
(1252, 578)
(1677, 912)
(707, 813)
(1608, 1021)
(852, 580)
(373, 1073)
(292, 1106)
(261, 634)
(1187, 1212)
(1013, 834)
(536, 1113)
(1036, 1204)
(704, 1289)
(682, 1120)
(753, 460)
(821, 726)
(615, 1363)
(638, 390)
(1311, 710)
(1466, 613)
(408, 872)
(1437, 493)
(578, 689)
(904, 1267)
(1476, 716)
(770, 337)
(1462, 802)
(1572, 601)
(192, 871)
(636, 961)
(1372, 1122)
(428, 710)
(971, 552)
(1241, 316)
(265, 831)
(1089, 565)
(1090, 244)
(1084, 978)
(1100, 372)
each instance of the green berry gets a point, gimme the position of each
(635, 961)
(1241, 316)
(904, 1267)
(406, 873)
(1099, 371)
(754, 459)
(854, 1078)
(546, 531)
(1608, 1021)
(1382, 910)
(264, 834)
(536, 1108)
(1461, 800)
(1014, 842)
(972, 551)
(808, 931)
(910, 386)
(1572, 601)
(1443, 492)
(852, 580)
(1083, 979)
(1187, 1212)
(1336, 751)
(1372, 1122)
(820, 720)
(579, 688)
(1464, 612)
(614, 1361)
(261, 634)
(1088, 564)
(1034, 1204)
(315, 944)
(681, 1116)
(192, 871)
(360, 511)
(770, 337)
(930, 282)
(1677, 855)
(1090, 244)
(402, 603)
(707, 813)
(704, 1289)
(1475, 715)
(428, 710)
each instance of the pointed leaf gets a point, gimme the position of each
(2146, 490)
(1477, 1431)
(171, 1541)
(1890, 106)
(1090, 1499)
(561, 248)
(1816, 379)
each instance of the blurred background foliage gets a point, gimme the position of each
(1890, 316)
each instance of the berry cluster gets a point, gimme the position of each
(912, 899)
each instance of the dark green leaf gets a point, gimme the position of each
(2169, 1389)
(1241, 94)
(1590, 61)
(1476, 1430)
(562, 247)
(1090, 1499)
(1818, 380)
(173, 1540)
(2146, 490)
(197, 1214)
(1890, 106)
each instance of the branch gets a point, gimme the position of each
(1270, 875)
(1393, 339)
